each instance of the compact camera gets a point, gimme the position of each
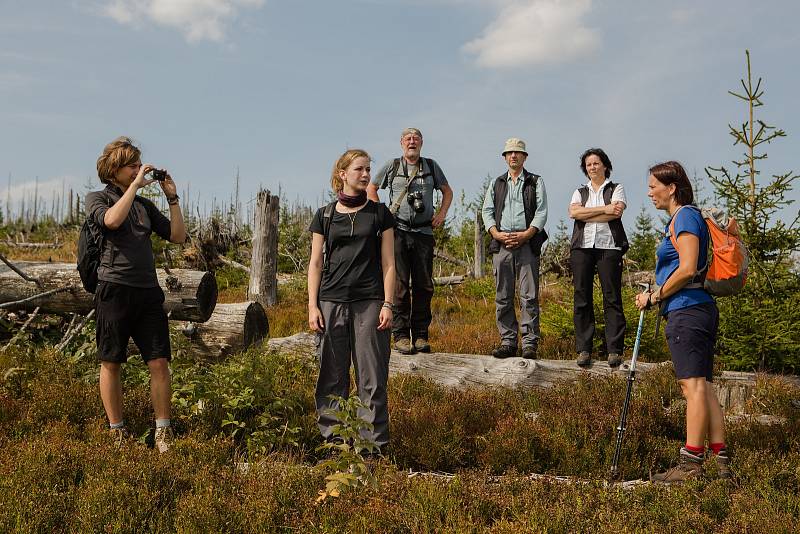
(158, 174)
(415, 198)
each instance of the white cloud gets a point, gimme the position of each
(198, 20)
(529, 32)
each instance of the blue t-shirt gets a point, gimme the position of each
(687, 220)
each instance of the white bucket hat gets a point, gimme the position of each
(515, 145)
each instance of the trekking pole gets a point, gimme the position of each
(623, 420)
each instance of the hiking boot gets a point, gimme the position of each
(584, 358)
(614, 359)
(529, 353)
(120, 436)
(724, 465)
(164, 438)
(421, 345)
(505, 351)
(404, 346)
(689, 466)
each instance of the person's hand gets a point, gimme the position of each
(643, 300)
(385, 318)
(438, 219)
(615, 209)
(503, 237)
(140, 181)
(168, 186)
(315, 319)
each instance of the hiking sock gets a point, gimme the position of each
(161, 423)
(114, 426)
(696, 451)
(716, 447)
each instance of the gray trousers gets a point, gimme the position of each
(351, 333)
(512, 266)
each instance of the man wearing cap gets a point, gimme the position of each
(411, 180)
(515, 212)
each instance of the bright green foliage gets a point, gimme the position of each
(759, 327)
(644, 242)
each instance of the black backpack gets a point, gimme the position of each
(91, 241)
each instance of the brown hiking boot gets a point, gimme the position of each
(614, 359)
(505, 351)
(421, 345)
(404, 346)
(723, 461)
(584, 358)
(529, 353)
(689, 466)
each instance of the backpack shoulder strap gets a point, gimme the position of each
(700, 275)
(327, 217)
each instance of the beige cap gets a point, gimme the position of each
(407, 131)
(515, 145)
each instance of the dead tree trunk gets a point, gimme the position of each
(231, 328)
(263, 286)
(480, 253)
(189, 295)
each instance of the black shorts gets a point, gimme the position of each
(691, 336)
(124, 312)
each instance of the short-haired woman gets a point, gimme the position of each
(598, 242)
(692, 319)
(128, 299)
(350, 289)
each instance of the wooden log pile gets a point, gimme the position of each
(189, 295)
(231, 328)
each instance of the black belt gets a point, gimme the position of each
(409, 224)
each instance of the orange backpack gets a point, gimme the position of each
(725, 272)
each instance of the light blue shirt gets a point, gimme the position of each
(513, 219)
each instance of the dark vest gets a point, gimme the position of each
(615, 225)
(528, 203)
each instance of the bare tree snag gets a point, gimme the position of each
(263, 286)
(231, 328)
(189, 295)
(480, 251)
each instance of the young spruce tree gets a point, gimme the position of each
(760, 327)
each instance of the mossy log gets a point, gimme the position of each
(231, 328)
(189, 295)
(734, 389)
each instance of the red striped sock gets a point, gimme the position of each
(697, 451)
(716, 447)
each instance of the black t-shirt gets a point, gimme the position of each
(354, 272)
(127, 257)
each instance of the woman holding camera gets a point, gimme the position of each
(351, 277)
(692, 319)
(128, 299)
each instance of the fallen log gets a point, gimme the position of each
(448, 280)
(231, 328)
(189, 295)
(734, 389)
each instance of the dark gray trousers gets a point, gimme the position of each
(512, 266)
(351, 334)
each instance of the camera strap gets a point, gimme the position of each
(399, 200)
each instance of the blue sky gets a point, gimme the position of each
(279, 88)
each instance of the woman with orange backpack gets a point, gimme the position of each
(692, 319)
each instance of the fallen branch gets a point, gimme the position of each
(35, 297)
(448, 280)
(80, 326)
(21, 330)
(232, 263)
(19, 272)
(34, 246)
(448, 258)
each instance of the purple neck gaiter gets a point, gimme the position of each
(353, 201)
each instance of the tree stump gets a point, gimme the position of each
(263, 286)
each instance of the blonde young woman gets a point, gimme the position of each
(351, 279)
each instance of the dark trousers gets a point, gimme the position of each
(609, 269)
(351, 335)
(413, 259)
